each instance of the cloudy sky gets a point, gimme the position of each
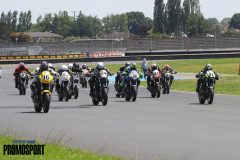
(210, 8)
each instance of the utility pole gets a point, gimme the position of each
(74, 16)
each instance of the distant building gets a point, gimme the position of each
(44, 36)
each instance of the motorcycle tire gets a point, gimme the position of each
(38, 108)
(104, 97)
(167, 89)
(158, 92)
(60, 98)
(95, 101)
(46, 102)
(134, 94)
(127, 97)
(201, 100)
(75, 93)
(210, 101)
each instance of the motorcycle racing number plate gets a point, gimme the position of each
(210, 74)
(45, 77)
(103, 74)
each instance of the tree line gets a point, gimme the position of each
(176, 18)
(172, 18)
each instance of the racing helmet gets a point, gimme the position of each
(127, 64)
(100, 65)
(154, 66)
(208, 67)
(64, 67)
(84, 66)
(134, 65)
(70, 66)
(75, 65)
(21, 65)
(166, 66)
(50, 65)
(44, 66)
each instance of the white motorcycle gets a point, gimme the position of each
(64, 91)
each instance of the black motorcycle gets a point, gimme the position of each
(100, 89)
(75, 85)
(22, 80)
(117, 85)
(206, 89)
(166, 81)
(131, 86)
(155, 84)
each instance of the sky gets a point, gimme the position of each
(210, 8)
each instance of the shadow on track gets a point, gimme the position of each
(14, 107)
(73, 107)
(31, 112)
(14, 94)
(198, 104)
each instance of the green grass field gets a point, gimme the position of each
(55, 152)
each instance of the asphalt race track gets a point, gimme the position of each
(174, 127)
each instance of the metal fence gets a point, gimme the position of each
(90, 46)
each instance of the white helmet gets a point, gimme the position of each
(100, 65)
(50, 65)
(36, 70)
(70, 66)
(64, 68)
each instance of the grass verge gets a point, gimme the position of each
(222, 65)
(54, 152)
(226, 85)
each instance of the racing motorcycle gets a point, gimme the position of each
(22, 80)
(42, 98)
(166, 82)
(206, 89)
(100, 90)
(75, 85)
(83, 78)
(155, 85)
(64, 90)
(131, 86)
(117, 85)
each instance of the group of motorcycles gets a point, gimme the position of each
(68, 86)
(158, 83)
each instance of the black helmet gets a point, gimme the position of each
(44, 66)
(75, 65)
(127, 64)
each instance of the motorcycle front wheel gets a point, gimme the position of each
(211, 96)
(104, 96)
(46, 102)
